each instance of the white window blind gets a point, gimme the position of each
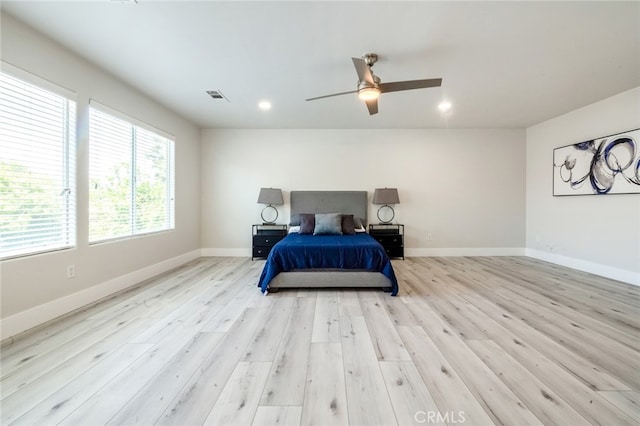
(37, 168)
(131, 172)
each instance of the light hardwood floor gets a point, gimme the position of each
(474, 341)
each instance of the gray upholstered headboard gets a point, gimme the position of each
(347, 202)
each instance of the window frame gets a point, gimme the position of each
(135, 125)
(68, 161)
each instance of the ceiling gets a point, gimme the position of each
(503, 64)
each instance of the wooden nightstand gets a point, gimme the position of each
(390, 236)
(264, 237)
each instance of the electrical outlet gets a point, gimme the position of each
(71, 271)
(429, 236)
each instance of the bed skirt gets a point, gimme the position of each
(323, 279)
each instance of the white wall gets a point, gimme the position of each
(35, 288)
(598, 234)
(464, 187)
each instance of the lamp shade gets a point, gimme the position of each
(270, 196)
(386, 196)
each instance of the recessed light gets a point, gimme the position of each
(264, 105)
(444, 106)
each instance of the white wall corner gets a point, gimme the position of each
(617, 274)
(38, 315)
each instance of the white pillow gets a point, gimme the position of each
(361, 229)
(294, 229)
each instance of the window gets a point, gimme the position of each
(37, 165)
(131, 173)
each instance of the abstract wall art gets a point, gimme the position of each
(604, 166)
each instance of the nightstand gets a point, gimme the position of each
(390, 236)
(264, 237)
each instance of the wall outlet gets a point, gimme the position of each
(429, 236)
(71, 271)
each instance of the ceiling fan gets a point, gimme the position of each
(370, 87)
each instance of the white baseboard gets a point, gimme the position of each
(618, 274)
(457, 252)
(226, 252)
(37, 315)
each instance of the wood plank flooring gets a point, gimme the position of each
(469, 340)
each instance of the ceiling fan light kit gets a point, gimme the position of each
(368, 93)
(370, 86)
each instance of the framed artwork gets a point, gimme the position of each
(604, 166)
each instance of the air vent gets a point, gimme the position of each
(216, 94)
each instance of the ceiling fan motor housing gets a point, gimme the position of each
(366, 85)
(370, 58)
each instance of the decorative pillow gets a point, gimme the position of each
(360, 230)
(307, 223)
(329, 223)
(348, 226)
(294, 220)
(294, 229)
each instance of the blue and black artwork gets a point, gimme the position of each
(609, 165)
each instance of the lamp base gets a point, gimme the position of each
(388, 221)
(266, 221)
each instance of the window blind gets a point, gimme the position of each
(131, 172)
(37, 168)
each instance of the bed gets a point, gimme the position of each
(316, 261)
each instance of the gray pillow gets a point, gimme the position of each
(294, 220)
(348, 225)
(329, 223)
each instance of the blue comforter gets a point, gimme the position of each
(305, 251)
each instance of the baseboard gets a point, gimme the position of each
(457, 252)
(618, 274)
(38, 315)
(226, 252)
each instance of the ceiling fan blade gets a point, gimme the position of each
(329, 96)
(397, 86)
(372, 106)
(363, 70)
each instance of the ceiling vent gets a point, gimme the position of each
(216, 94)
